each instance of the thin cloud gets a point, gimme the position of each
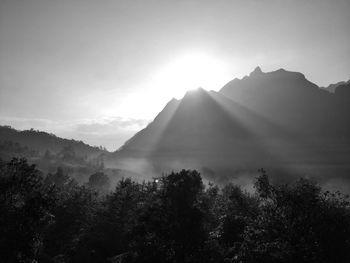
(108, 125)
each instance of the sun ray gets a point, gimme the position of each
(283, 145)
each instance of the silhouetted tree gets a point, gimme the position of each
(111, 232)
(60, 178)
(172, 226)
(297, 223)
(25, 211)
(173, 218)
(99, 182)
(73, 213)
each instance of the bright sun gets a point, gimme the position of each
(173, 79)
(187, 72)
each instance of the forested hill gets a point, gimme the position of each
(50, 152)
(42, 141)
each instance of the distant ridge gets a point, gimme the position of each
(42, 141)
(332, 87)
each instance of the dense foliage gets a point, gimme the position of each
(174, 218)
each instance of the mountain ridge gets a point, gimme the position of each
(332, 87)
(278, 120)
(42, 141)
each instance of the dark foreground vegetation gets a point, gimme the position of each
(174, 218)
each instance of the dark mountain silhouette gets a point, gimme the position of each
(290, 100)
(332, 87)
(277, 120)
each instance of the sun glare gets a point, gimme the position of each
(188, 72)
(172, 79)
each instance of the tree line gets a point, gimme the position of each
(174, 218)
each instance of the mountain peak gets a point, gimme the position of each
(257, 71)
(194, 92)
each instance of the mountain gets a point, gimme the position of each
(290, 100)
(332, 87)
(277, 120)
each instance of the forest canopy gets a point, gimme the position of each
(174, 218)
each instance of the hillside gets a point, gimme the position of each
(41, 141)
(49, 152)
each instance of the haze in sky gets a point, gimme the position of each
(99, 71)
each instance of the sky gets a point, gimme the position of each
(99, 71)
